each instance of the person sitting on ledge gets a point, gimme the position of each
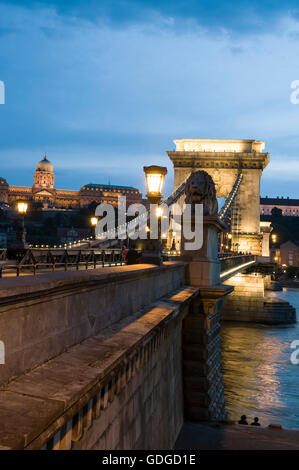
(255, 422)
(243, 420)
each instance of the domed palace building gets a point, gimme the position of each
(44, 191)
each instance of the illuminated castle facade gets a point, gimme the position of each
(44, 191)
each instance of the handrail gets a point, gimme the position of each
(88, 259)
(231, 265)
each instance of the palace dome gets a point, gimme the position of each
(3, 181)
(45, 165)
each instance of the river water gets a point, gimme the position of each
(259, 378)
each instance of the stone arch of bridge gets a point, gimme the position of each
(223, 160)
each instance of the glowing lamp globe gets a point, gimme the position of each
(22, 207)
(155, 176)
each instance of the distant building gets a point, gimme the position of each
(44, 191)
(289, 207)
(288, 253)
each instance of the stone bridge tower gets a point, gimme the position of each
(223, 160)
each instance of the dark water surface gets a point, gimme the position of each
(259, 378)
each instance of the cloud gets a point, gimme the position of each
(107, 97)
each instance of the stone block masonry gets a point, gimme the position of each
(248, 303)
(203, 388)
(41, 317)
(121, 388)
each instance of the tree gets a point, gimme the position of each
(276, 212)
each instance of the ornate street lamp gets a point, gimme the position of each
(20, 243)
(155, 176)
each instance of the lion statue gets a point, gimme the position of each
(200, 189)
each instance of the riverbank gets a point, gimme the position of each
(212, 436)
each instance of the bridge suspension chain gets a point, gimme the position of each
(175, 196)
(224, 212)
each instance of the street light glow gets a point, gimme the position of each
(159, 211)
(22, 207)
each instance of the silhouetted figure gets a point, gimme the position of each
(255, 422)
(243, 420)
(124, 252)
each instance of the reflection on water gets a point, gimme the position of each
(259, 378)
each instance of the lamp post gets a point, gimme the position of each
(93, 222)
(173, 248)
(20, 243)
(155, 176)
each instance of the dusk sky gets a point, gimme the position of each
(103, 87)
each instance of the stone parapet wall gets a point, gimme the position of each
(121, 389)
(40, 317)
(148, 413)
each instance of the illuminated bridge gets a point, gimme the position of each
(98, 355)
